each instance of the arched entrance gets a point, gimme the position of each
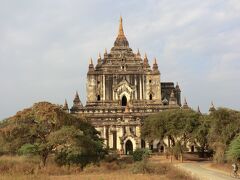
(124, 101)
(98, 97)
(150, 97)
(143, 144)
(129, 147)
(160, 147)
(192, 148)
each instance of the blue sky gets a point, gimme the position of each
(45, 47)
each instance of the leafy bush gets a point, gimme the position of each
(28, 149)
(233, 153)
(112, 156)
(140, 154)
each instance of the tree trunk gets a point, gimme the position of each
(44, 158)
(181, 157)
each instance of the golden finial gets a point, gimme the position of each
(105, 51)
(99, 56)
(120, 31)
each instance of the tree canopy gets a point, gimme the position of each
(173, 124)
(45, 128)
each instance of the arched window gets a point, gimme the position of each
(124, 101)
(98, 97)
(150, 97)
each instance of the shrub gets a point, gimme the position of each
(28, 149)
(233, 153)
(144, 167)
(141, 167)
(140, 154)
(112, 156)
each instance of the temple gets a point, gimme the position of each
(122, 90)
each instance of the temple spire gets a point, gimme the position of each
(90, 66)
(90, 61)
(198, 110)
(121, 41)
(120, 30)
(155, 61)
(77, 104)
(185, 104)
(138, 53)
(65, 106)
(212, 108)
(172, 99)
(155, 66)
(145, 61)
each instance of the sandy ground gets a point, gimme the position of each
(202, 170)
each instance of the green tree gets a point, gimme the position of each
(233, 152)
(47, 127)
(224, 127)
(178, 126)
(201, 135)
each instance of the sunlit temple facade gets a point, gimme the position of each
(122, 90)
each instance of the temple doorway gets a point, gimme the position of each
(160, 147)
(124, 101)
(129, 147)
(192, 148)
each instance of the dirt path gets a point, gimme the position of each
(202, 171)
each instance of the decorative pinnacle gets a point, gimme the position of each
(212, 108)
(65, 106)
(76, 95)
(155, 61)
(198, 110)
(212, 104)
(185, 101)
(138, 53)
(105, 51)
(120, 30)
(145, 56)
(90, 61)
(99, 56)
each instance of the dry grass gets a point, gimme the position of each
(28, 168)
(19, 167)
(111, 176)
